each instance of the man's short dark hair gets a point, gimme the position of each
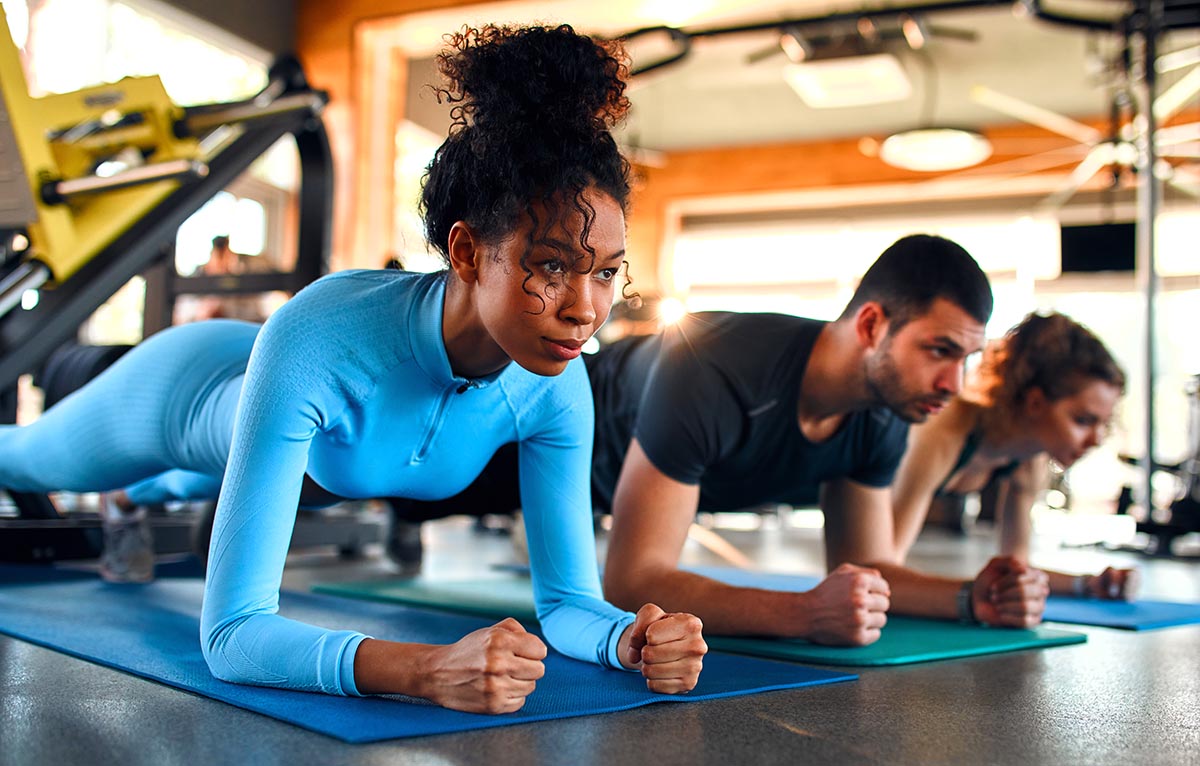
(916, 271)
(220, 242)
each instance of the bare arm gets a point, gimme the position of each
(651, 516)
(858, 530)
(933, 448)
(1015, 501)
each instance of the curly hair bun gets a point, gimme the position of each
(531, 110)
(503, 80)
(1049, 351)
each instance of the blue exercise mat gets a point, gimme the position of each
(153, 631)
(1126, 615)
(1135, 615)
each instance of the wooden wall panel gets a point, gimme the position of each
(328, 42)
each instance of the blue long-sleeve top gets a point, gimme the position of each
(350, 382)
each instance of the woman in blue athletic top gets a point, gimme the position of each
(1045, 392)
(384, 383)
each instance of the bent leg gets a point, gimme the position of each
(174, 485)
(137, 419)
(102, 437)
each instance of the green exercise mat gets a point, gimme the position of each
(905, 639)
(498, 597)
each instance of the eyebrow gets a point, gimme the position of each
(948, 341)
(573, 247)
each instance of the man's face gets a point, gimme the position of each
(916, 370)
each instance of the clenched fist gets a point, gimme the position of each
(668, 648)
(491, 670)
(848, 608)
(1010, 593)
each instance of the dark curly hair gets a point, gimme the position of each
(531, 108)
(1048, 351)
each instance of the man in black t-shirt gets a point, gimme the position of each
(712, 403)
(729, 411)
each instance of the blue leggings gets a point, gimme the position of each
(159, 422)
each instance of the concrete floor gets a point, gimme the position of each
(1122, 698)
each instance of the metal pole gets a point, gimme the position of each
(1149, 193)
(27, 276)
(172, 170)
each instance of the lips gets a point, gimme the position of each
(566, 349)
(933, 407)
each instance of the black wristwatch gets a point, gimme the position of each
(966, 604)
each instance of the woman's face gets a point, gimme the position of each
(541, 321)
(1068, 427)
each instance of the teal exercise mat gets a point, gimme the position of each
(153, 631)
(905, 639)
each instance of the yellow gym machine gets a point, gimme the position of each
(93, 188)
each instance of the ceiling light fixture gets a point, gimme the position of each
(915, 33)
(795, 47)
(935, 149)
(931, 147)
(867, 30)
(852, 81)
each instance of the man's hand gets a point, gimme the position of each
(848, 608)
(668, 648)
(1010, 593)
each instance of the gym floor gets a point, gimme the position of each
(1122, 698)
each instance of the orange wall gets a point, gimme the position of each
(325, 35)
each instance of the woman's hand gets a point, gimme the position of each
(668, 648)
(1010, 593)
(491, 670)
(1112, 584)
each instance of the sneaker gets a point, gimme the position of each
(128, 554)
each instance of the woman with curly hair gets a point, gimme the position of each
(1045, 392)
(386, 383)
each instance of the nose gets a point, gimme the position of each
(577, 306)
(949, 382)
(1094, 437)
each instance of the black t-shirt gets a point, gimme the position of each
(713, 401)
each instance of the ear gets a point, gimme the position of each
(870, 324)
(1035, 401)
(465, 255)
